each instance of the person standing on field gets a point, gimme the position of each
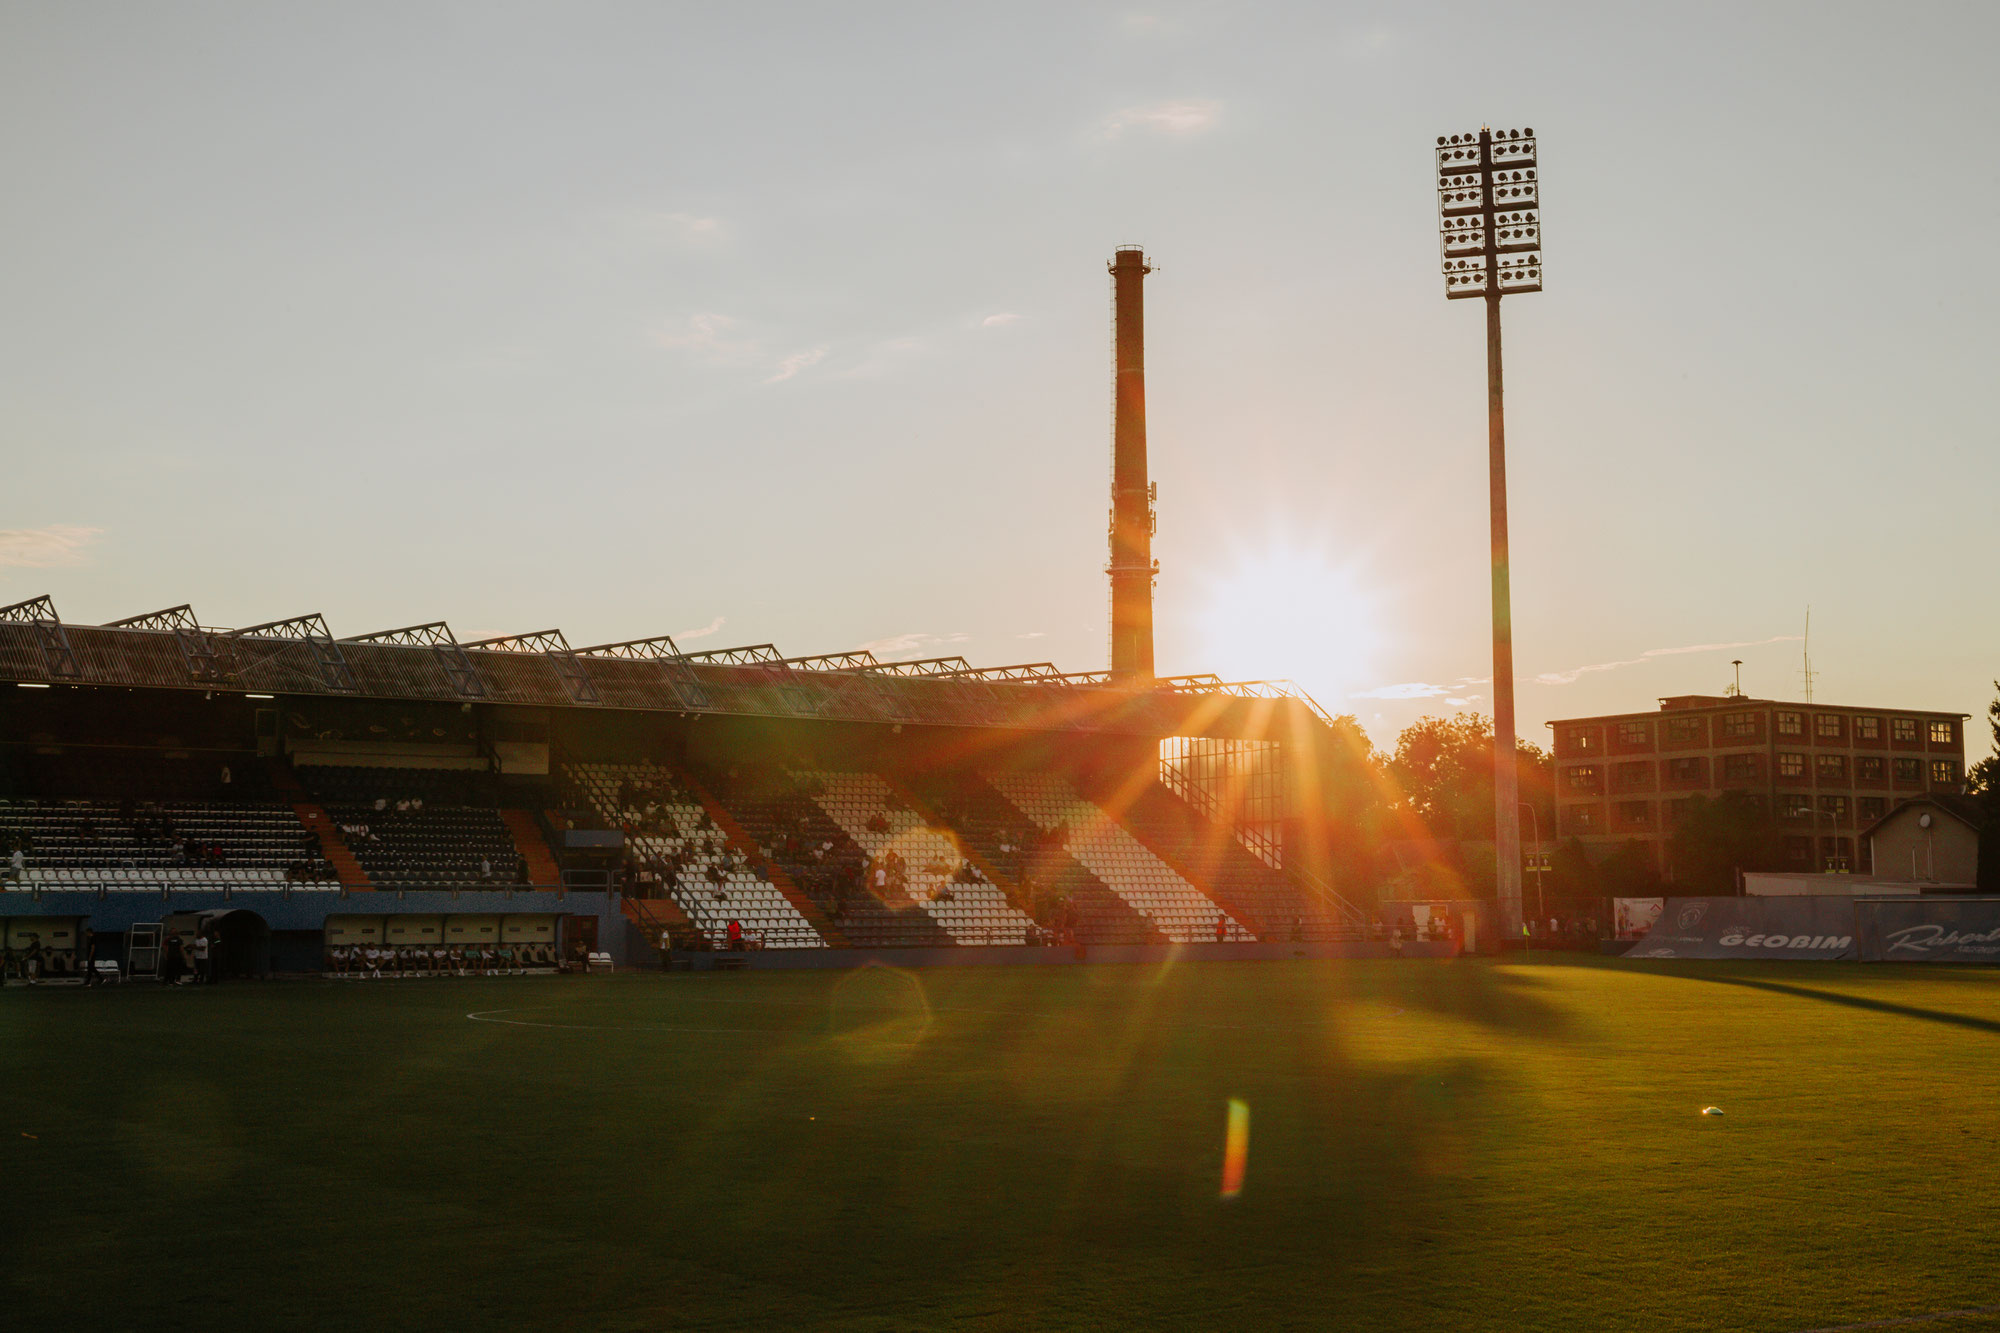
(204, 972)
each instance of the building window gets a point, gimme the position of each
(1582, 739)
(1684, 770)
(1870, 768)
(1830, 767)
(1635, 812)
(1634, 733)
(1867, 728)
(1683, 730)
(1944, 772)
(1630, 775)
(1903, 728)
(1674, 812)
(1909, 770)
(1834, 807)
(1581, 777)
(1795, 805)
(1739, 724)
(1872, 808)
(1739, 768)
(1798, 850)
(1791, 765)
(1942, 733)
(1826, 726)
(1791, 724)
(1582, 818)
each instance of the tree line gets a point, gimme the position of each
(1416, 822)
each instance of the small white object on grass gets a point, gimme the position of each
(1711, 1110)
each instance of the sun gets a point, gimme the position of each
(1290, 609)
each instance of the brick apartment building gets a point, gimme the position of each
(1822, 773)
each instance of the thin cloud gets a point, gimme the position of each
(45, 548)
(1414, 689)
(915, 642)
(796, 362)
(711, 338)
(995, 321)
(692, 227)
(711, 627)
(896, 643)
(1033, 634)
(1176, 119)
(1571, 676)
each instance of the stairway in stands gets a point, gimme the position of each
(717, 881)
(770, 808)
(314, 819)
(1210, 855)
(532, 847)
(986, 822)
(879, 820)
(1127, 866)
(345, 868)
(740, 837)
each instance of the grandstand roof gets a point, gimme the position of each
(171, 649)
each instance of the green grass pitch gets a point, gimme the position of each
(1463, 1145)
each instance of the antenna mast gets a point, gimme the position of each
(1809, 673)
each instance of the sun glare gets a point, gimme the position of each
(1291, 610)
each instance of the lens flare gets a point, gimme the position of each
(1235, 1148)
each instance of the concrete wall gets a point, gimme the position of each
(1945, 853)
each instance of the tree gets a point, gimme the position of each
(1353, 794)
(1443, 773)
(1983, 778)
(1716, 838)
(1982, 782)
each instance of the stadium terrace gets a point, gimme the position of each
(404, 803)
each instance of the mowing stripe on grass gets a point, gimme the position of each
(486, 1016)
(1906, 1321)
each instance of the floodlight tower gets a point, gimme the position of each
(1489, 219)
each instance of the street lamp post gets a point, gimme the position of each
(1535, 826)
(1489, 223)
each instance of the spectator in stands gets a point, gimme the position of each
(17, 865)
(486, 869)
(1221, 929)
(735, 933)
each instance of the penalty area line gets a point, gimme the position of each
(1908, 1321)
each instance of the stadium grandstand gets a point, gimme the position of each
(653, 801)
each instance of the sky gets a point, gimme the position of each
(752, 323)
